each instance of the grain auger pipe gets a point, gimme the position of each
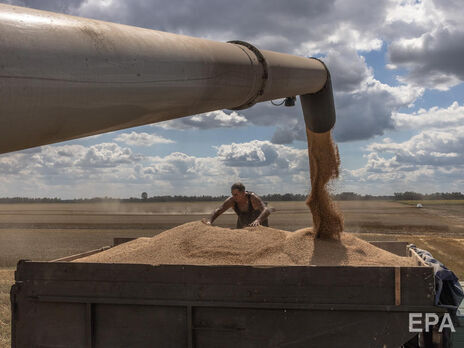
(65, 77)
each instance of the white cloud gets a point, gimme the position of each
(410, 11)
(363, 104)
(141, 139)
(208, 120)
(49, 5)
(50, 159)
(434, 117)
(106, 155)
(12, 164)
(428, 41)
(108, 169)
(254, 154)
(279, 159)
(429, 147)
(429, 161)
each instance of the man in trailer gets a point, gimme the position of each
(249, 207)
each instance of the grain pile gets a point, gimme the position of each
(324, 163)
(195, 243)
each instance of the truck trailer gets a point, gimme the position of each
(67, 303)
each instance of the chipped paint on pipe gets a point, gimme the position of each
(65, 77)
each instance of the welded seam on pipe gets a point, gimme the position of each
(264, 77)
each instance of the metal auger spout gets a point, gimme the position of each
(319, 108)
(65, 77)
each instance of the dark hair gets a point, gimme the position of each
(238, 186)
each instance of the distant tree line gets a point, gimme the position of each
(176, 198)
(352, 196)
(412, 196)
(344, 196)
(285, 197)
(57, 200)
(399, 196)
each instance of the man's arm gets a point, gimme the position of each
(258, 204)
(228, 203)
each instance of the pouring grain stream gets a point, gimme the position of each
(324, 164)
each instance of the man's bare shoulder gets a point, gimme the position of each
(256, 201)
(228, 202)
(255, 197)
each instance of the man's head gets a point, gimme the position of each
(238, 191)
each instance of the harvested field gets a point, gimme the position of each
(199, 244)
(49, 231)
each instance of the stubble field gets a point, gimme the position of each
(50, 231)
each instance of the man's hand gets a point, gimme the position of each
(206, 221)
(255, 223)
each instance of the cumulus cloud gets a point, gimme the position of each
(12, 164)
(208, 120)
(429, 147)
(434, 117)
(434, 53)
(261, 165)
(141, 139)
(49, 5)
(434, 59)
(431, 160)
(220, 20)
(70, 170)
(363, 104)
(49, 159)
(271, 167)
(263, 154)
(256, 153)
(287, 134)
(106, 155)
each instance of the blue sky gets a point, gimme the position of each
(398, 83)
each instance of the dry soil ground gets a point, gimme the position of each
(49, 231)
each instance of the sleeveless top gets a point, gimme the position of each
(244, 218)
